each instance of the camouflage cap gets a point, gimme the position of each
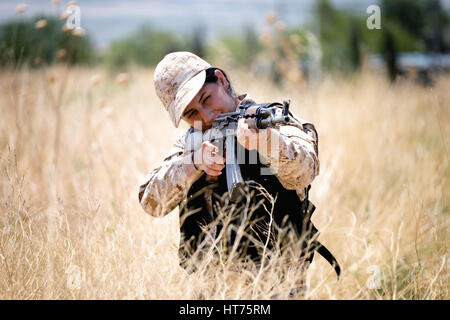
(178, 78)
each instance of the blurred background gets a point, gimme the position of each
(412, 36)
(81, 126)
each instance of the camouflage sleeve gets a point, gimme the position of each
(166, 186)
(294, 155)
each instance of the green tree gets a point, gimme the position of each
(355, 45)
(197, 41)
(335, 28)
(21, 42)
(423, 20)
(242, 49)
(144, 47)
(406, 25)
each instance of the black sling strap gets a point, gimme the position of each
(286, 199)
(324, 252)
(316, 245)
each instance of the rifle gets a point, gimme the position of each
(224, 127)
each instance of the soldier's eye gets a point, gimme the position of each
(191, 113)
(206, 99)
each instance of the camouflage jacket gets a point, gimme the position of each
(296, 158)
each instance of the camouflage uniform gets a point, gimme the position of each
(297, 165)
(294, 164)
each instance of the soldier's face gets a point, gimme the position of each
(212, 100)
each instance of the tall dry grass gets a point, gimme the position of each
(76, 143)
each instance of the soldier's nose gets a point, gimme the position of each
(208, 118)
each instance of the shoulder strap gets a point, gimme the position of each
(324, 252)
(316, 245)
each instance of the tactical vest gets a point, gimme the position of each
(289, 215)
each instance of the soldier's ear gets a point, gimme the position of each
(222, 79)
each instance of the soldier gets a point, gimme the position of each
(191, 175)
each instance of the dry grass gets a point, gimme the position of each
(75, 144)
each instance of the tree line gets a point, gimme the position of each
(344, 39)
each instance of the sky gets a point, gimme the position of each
(107, 20)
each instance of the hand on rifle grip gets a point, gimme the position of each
(247, 136)
(207, 159)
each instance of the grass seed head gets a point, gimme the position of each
(51, 78)
(64, 15)
(61, 53)
(78, 32)
(122, 78)
(280, 26)
(95, 80)
(265, 38)
(40, 24)
(65, 28)
(21, 8)
(271, 18)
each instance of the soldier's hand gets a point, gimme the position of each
(246, 136)
(207, 158)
